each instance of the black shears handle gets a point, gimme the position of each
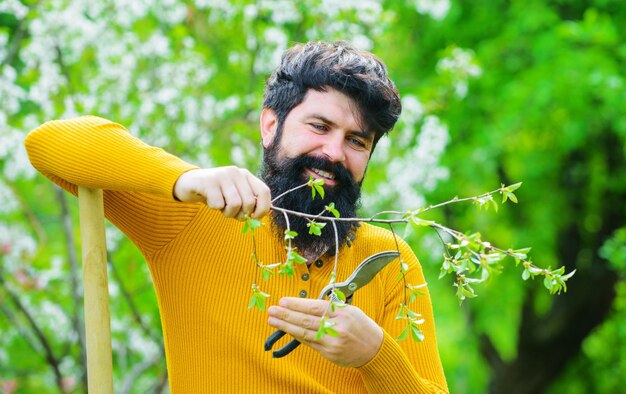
(283, 351)
(288, 348)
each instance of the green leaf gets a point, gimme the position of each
(421, 222)
(294, 256)
(250, 224)
(326, 328)
(548, 283)
(320, 190)
(316, 187)
(331, 208)
(315, 228)
(290, 234)
(404, 334)
(416, 333)
(520, 254)
(525, 274)
(258, 299)
(260, 302)
(401, 312)
(252, 303)
(511, 196)
(414, 294)
(514, 187)
(411, 314)
(268, 270)
(494, 204)
(339, 295)
(286, 269)
(566, 277)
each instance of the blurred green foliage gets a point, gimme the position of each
(493, 92)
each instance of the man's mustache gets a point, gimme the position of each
(343, 177)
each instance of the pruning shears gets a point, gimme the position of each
(360, 277)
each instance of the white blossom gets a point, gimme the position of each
(19, 165)
(412, 109)
(460, 65)
(418, 170)
(14, 7)
(16, 244)
(461, 61)
(368, 11)
(282, 11)
(10, 93)
(55, 271)
(436, 9)
(221, 10)
(139, 344)
(54, 317)
(274, 44)
(8, 201)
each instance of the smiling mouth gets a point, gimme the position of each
(328, 176)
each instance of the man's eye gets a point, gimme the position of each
(319, 126)
(357, 142)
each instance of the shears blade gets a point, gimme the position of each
(362, 274)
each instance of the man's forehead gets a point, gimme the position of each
(333, 106)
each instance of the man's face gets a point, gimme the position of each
(324, 125)
(320, 137)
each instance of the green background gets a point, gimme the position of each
(493, 92)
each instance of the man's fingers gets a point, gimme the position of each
(299, 317)
(215, 199)
(247, 195)
(262, 195)
(232, 190)
(305, 305)
(232, 199)
(303, 334)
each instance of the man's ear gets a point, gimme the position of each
(269, 125)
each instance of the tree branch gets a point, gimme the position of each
(136, 371)
(51, 359)
(31, 218)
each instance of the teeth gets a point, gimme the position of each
(325, 174)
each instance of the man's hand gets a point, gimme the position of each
(232, 190)
(359, 338)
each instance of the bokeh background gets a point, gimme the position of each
(493, 92)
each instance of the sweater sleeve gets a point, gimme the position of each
(405, 366)
(137, 179)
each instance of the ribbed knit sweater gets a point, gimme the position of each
(202, 271)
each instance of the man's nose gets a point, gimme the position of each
(334, 149)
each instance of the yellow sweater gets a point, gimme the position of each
(202, 271)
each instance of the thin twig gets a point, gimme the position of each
(395, 239)
(288, 191)
(456, 200)
(328, 218)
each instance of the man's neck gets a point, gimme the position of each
(311, 257)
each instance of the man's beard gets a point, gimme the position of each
(289, 173)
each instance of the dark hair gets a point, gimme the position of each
(358, 74)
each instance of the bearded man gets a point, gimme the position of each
(325, 108)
